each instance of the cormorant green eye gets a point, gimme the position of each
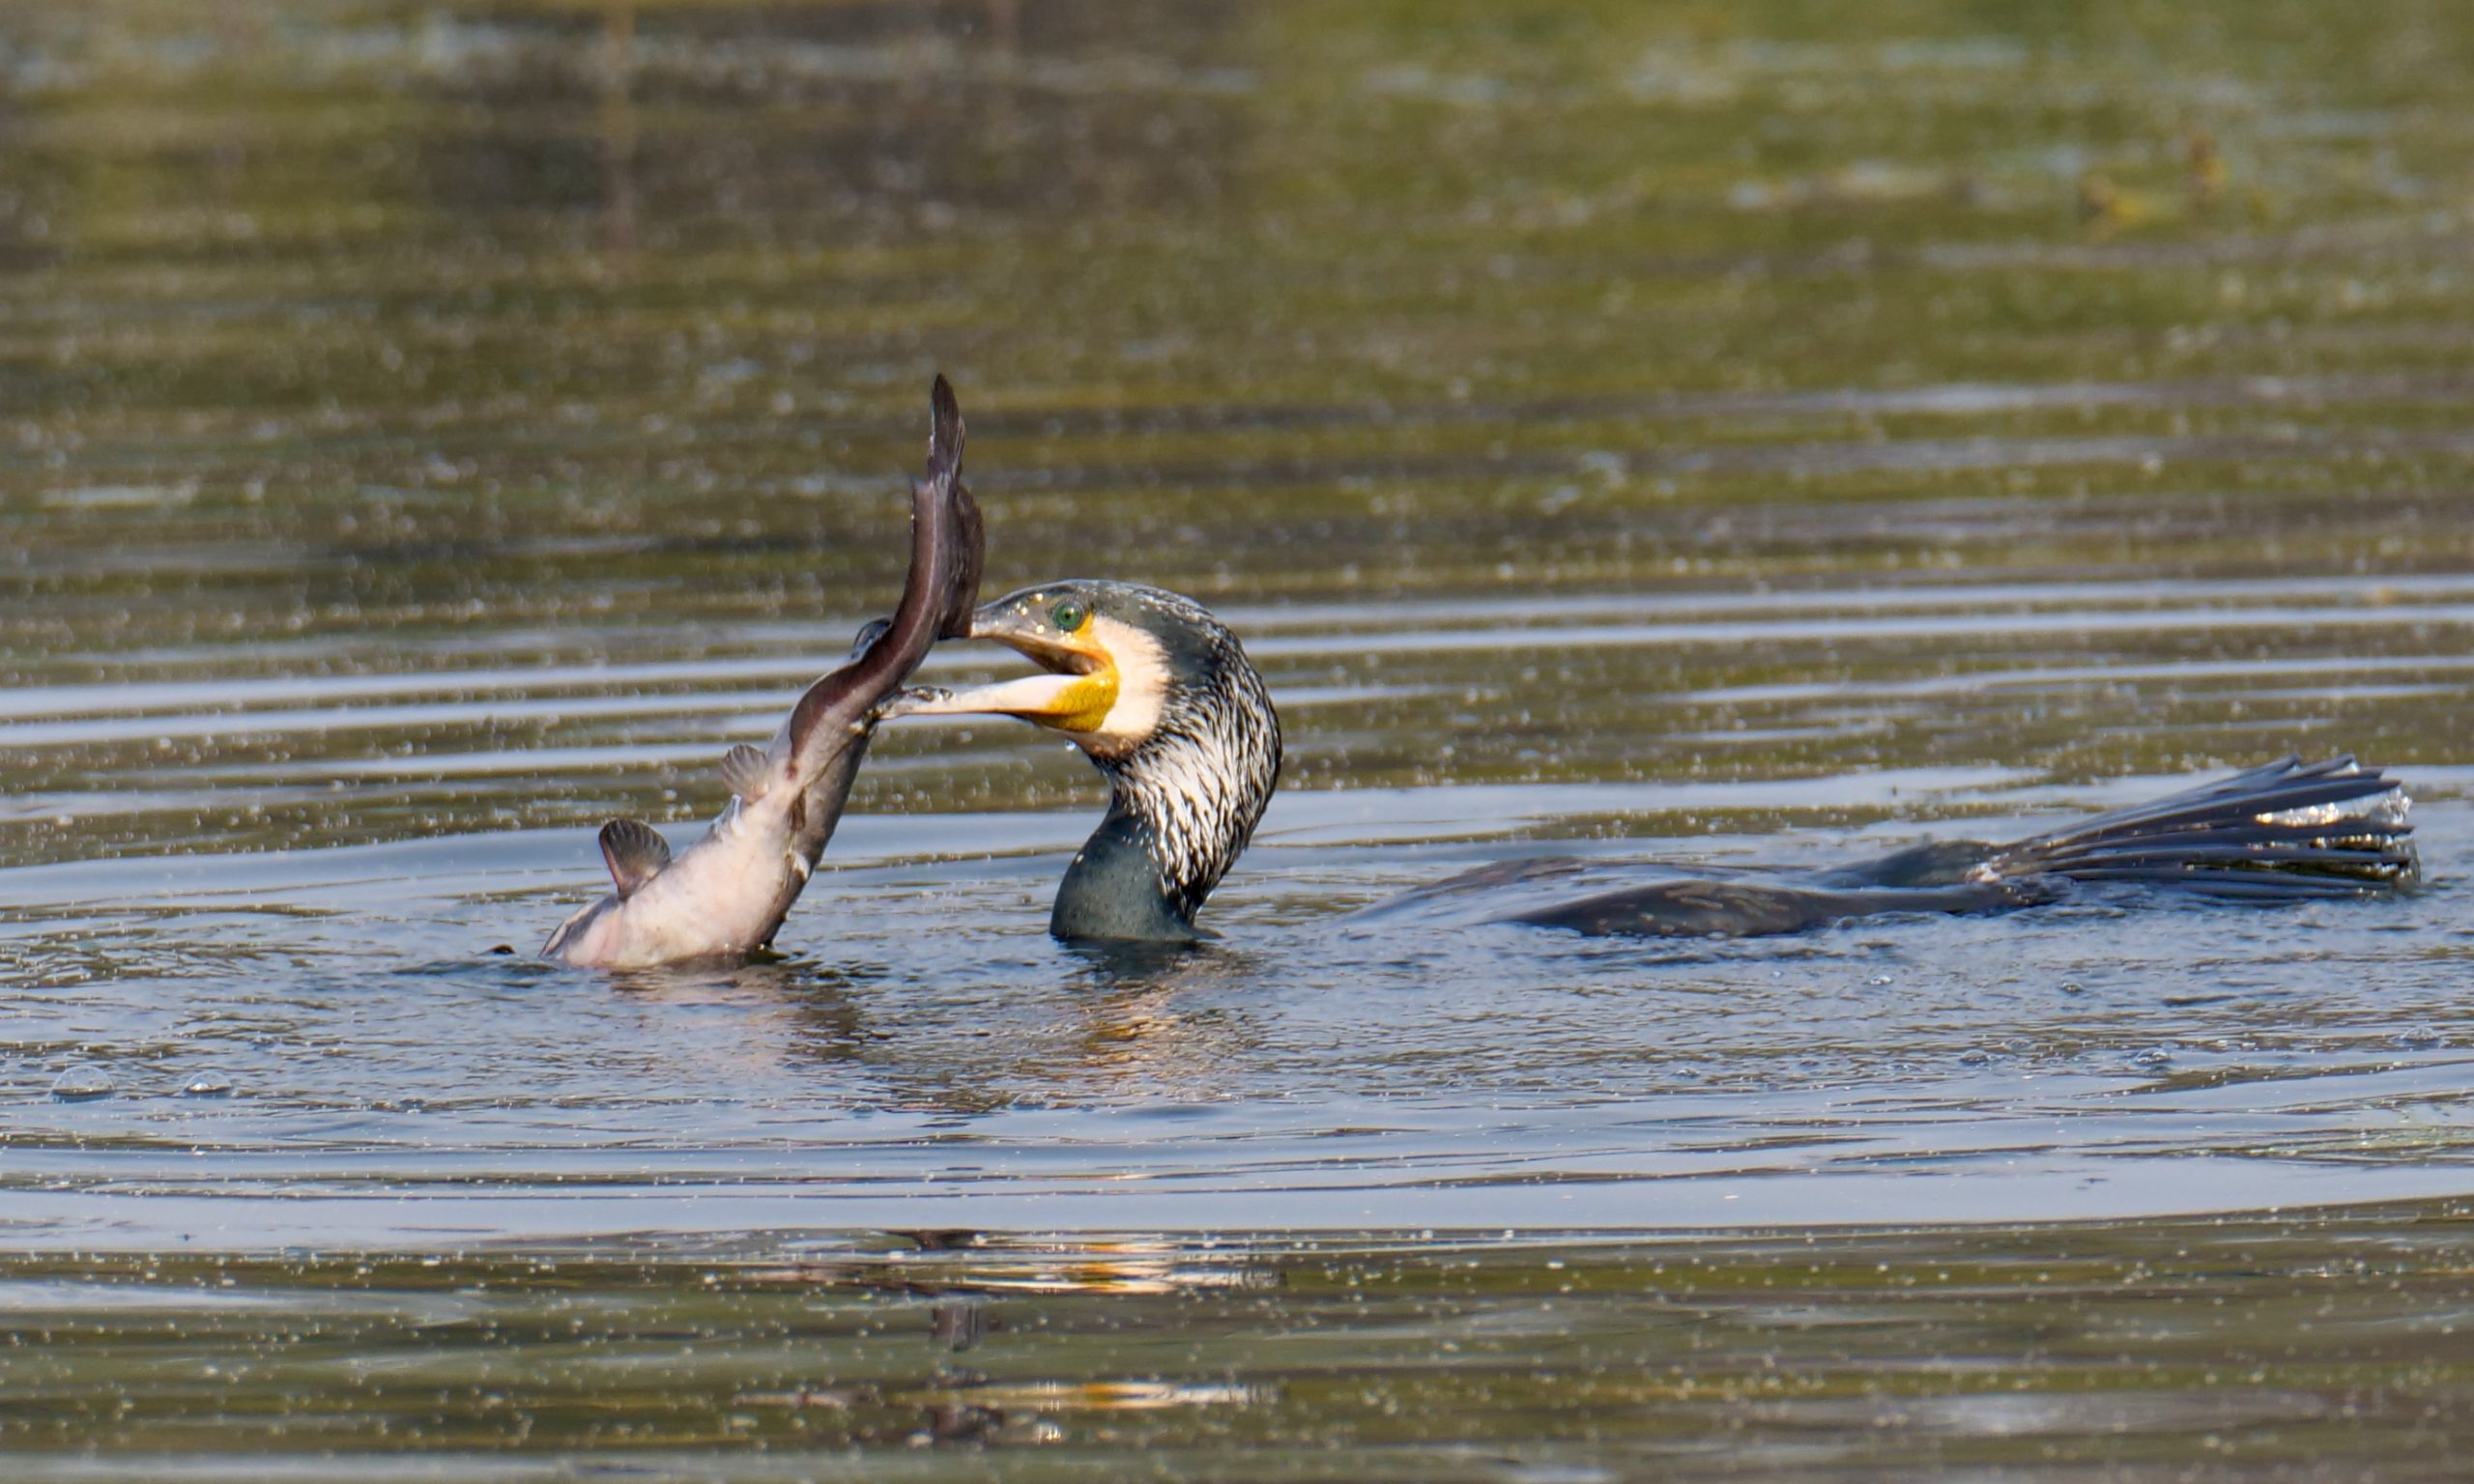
(1067, 616)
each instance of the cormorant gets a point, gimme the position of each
(1162, 697)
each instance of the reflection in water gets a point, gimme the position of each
(891, 124)
(960, 1325)
(619, 134)
(794, 1010)
(1156, 1017)
(1129, 1024)
(1859, 1356)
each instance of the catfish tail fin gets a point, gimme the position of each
(947, 552)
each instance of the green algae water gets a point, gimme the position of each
(1753, 435)
(2313, 1348)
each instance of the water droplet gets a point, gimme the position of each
(82, 1084)
(208, 1084)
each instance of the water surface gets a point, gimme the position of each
(1747, 437)
(2054, 1353)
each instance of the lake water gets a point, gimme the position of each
(1738, 435)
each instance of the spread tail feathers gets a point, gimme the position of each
(2286, 830)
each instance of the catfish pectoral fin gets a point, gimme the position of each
(744, 772)
(635, 853)
(869, 633)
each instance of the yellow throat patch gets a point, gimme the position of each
(1084, 705)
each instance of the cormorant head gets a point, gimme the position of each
(1163, 699)
(1125, 664)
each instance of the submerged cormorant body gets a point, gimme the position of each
(2287, 831)
(1159, 695)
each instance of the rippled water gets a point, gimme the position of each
(2058, 1353)
(1617, 432)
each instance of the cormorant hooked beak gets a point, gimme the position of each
(1077, 648)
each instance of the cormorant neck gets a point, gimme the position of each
(1115, 890)
(1182, 806)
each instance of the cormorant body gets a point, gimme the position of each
(1160, 696)
(2283, 832)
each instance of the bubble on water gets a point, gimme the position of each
(82, 1084)
(208, 1084)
